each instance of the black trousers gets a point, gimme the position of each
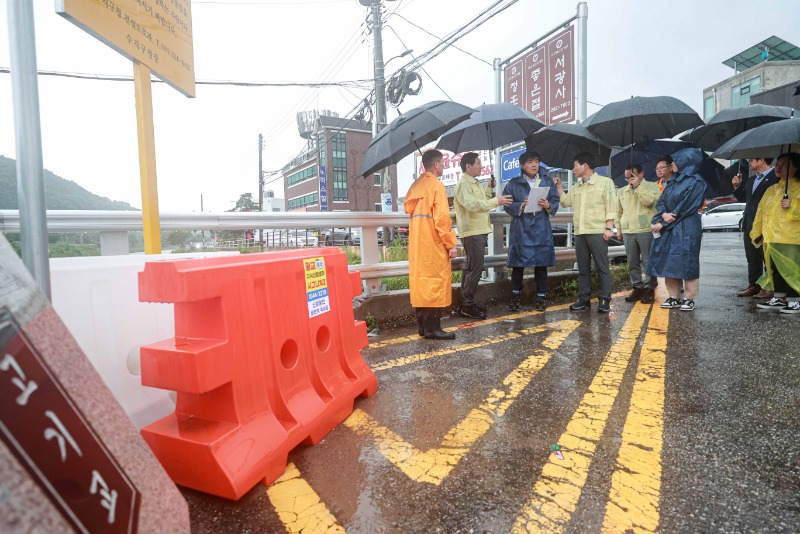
(539, 275)
(781, 286)
(474, 247)
(755, 256)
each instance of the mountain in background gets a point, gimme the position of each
(60, 194)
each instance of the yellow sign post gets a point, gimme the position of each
(157, 36)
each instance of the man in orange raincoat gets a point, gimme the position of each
(431, 245)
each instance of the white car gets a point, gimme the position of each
(725, 216)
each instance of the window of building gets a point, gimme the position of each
(301, 176)
(740, 95)
(377, 180)
(708, 107)
(378, 207)
(310, 199)
(339, 155)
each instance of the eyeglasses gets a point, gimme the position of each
(662, 167)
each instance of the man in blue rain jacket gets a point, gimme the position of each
(530, 239)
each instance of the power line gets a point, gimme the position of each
(442, 40)
(359, 84)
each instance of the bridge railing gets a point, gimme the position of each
(114, 226)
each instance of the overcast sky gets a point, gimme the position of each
(209, 145)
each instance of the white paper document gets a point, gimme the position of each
(537, 193)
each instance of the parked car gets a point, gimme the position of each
(339, 236)
(725, 216)
(289, 238)
(719, 201)
(400, 232)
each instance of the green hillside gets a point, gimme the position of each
(60, 194)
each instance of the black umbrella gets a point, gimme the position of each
(560, 143)
(730, 122)
(765, 141)
(490, 127)
(410, 131)
(646, 154)
(640, 118)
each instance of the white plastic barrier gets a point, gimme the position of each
(98, 300)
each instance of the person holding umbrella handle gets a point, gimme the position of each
(776, 228)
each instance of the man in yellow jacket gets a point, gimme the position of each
(636, 207)
(431, 246)
(594, 200)
(472, 203)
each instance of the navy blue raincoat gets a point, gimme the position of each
(677, 253)
(530, 239)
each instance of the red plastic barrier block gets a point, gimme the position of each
(266, 355)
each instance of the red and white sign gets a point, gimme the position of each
(542, 81)
(452, 166)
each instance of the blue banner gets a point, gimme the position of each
(323, 189)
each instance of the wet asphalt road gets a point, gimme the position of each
(702, 437)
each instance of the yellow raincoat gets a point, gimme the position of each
(430, 235)
(780, 229)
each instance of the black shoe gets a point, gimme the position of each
(473, 312)
(514, 305)
(635, 295)
(604, 306)
(480, 306)
(649, 296)
(541, 303)
(580, 305)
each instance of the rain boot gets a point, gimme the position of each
(433, 325)
(420, 321)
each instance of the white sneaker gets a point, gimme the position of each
(772, 304)
(688, 305)
(792, 307)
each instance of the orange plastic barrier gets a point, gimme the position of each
(265, 357)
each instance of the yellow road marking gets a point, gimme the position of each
(636, 483)
(298, 505)
(435, 464)
(485, 322)
(414, 358)
(557, 490)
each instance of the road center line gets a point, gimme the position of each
(558, 489)
(299, 507)
(633, 501)
(414, 358)
(485, 322)
(434, 465)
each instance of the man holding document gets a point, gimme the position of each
(530, 239)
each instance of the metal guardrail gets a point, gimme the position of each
(114, 226)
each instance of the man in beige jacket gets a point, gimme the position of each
(637, 205)
(473, 203)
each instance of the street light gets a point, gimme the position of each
(404, 54)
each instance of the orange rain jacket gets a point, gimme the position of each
(430, 235)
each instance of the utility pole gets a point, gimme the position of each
(380, 108)
(260, 186)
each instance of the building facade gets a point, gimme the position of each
(325, 176)
(768, 65)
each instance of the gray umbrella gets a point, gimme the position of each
(490, 127)
(560, 143)
(765, 141)
(640, 118)
(730, 122)
(410, 131)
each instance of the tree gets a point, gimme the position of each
(179, 238)
(245, 203)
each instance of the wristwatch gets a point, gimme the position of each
(609, 229)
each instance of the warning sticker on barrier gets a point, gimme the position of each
(316, 286)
